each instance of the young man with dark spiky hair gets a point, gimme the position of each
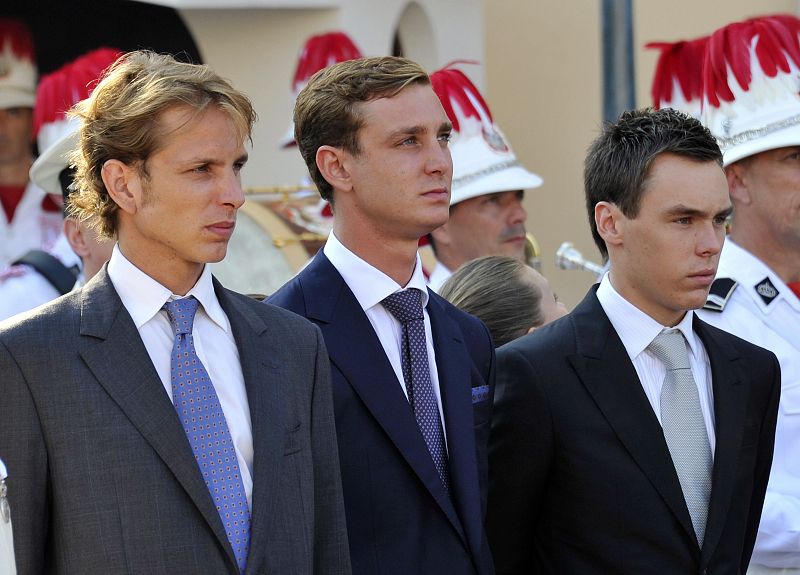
(630, 437)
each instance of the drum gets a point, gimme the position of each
(264, 252)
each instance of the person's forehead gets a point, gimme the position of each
(415, 104)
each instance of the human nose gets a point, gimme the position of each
(710, 240)
(232, 193)
(439, 159)
(518, 213)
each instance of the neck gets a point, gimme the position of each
(176, 275)
(394, 257)
(16, 173)
(780, 256)
(450, 260)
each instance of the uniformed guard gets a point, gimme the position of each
(28, 218)
(39, 276)
(752, 105)
(487, 217)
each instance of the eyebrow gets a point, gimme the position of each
(681, 210)
(417, 130)
(215, 162)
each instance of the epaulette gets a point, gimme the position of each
(720, 293)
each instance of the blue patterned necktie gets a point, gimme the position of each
(202, 418)
(406, 307)
(684, 427)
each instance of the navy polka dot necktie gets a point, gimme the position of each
(202, 418)
(406, 307)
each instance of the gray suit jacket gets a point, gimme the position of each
(101, 475)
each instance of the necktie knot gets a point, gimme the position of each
(670, 347)
(181, 314)
(405, 305)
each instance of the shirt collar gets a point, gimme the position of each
(369, 285)
(144, 297)
(635, 328)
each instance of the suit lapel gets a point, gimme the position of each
(610, 378)
(453, 365)
(113, 350)
(350, 339)
(263, 377)
(730, 403)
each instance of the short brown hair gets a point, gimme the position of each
(496, 291)
(326, 111)
(120, 121)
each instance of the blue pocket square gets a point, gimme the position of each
(480, 393)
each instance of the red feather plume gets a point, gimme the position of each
(777, 44)
(683, 61)
(321, 51)
(18, 35)
(452, 85)
(60, 90)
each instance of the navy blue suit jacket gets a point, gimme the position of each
(399, 517)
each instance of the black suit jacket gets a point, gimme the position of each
(399, 518)
(581, 477)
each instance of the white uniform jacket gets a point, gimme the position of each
(31, 229)
(760, 308)
(23, 288)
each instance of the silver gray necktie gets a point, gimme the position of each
(684, 428)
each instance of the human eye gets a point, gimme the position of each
(409, 141)
(200, 169)
(238, 166)
(683, 220)
(721, 220)
(445, 137)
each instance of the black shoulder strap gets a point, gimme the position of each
(719, 294)
(60, 276)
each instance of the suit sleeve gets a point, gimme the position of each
(764, 460)
(22, 448)
(520, 455)
(331, 550)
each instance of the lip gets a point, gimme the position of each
(438, 194)
(224, 228)
(704, 277)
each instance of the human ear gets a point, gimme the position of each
(123, 184)
(332, 164)
(75, 237)
(736, 174)
(609, 219)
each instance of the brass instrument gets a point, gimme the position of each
(533, 253)
(568, 258)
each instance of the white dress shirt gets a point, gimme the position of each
(439, 275)
(637, 330)
(144, 297)
(370, 286)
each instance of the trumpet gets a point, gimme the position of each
(568, 258)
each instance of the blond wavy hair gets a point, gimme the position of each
(121, 120)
